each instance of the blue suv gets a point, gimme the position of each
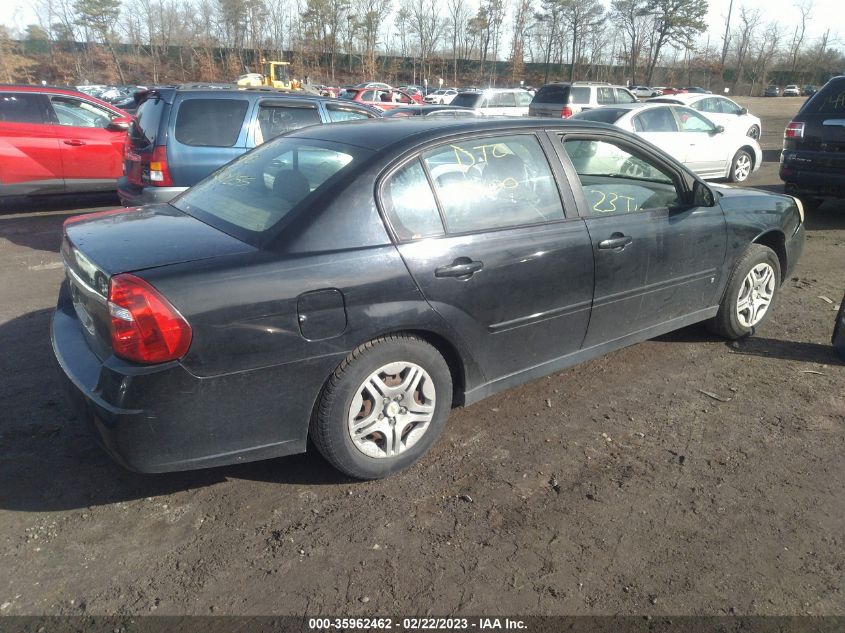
(181, 134)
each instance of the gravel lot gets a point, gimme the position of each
(616, 487)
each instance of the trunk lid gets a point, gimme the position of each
(97, 246)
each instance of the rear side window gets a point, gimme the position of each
(144, 129)
(493, 183)
(552, 94)
(829, 100)
(580, 95)
(275, 119)
(503, 100)
(22, 108)
(409, 202)
(210, 122)
(655, 120)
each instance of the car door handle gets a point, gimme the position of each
(617, 242)
(73, 141)
(461, 267)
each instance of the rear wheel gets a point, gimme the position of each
(383, 407)
(752, 290)
(741, 166)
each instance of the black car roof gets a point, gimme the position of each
(381, 134)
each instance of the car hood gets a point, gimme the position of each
(133, 239)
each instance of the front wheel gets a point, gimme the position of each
(383, 407)
(741, 166)
(752, 290)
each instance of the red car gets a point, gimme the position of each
(55, 140)
(378, 98)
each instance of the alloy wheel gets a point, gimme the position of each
(742, 167)
(755, 295)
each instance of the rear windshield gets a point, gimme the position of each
(210, 122)
(603, 115)
(144, 128)
(254, 193)
(467, 99)
(829, 100)
(552, 94)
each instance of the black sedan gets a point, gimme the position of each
(355, 282)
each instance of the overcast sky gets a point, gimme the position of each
(826, 14)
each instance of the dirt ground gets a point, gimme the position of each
(616, 487)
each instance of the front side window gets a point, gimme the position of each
(79, 113)
(617, 179)
(605, 95)
(691, 121)
(523, 99)
(275, 119)
(491, 183)
(256, 192)
(623, 96)
(728, 107)
(210, 122)
(410, 205)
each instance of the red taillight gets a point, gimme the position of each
(159, 173)
(566, 112)
(795, 129)
(145, 328)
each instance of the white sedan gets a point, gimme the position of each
(720, 110)
(710, 150)
(643, 92)
(443, 96)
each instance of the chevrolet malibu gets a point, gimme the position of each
(353, 283)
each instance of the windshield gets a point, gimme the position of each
(467, 99)
(256, 192)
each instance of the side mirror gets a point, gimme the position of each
(742, 111)
(719, 129)
(702, 196)
(119, 124)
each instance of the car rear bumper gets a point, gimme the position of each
(813, 173)
(163, 418)
(132, 195)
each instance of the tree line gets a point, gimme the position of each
(502, 42)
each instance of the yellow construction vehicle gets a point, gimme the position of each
(275, 75)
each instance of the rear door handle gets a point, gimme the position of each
(73, 141)
(617, 242)
(461, 267)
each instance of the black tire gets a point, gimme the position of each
(738, 173)
(329, 431)
(753, 132)
(726, 323)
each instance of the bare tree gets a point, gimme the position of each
(806, 8)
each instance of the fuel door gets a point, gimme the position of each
(321, 314)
